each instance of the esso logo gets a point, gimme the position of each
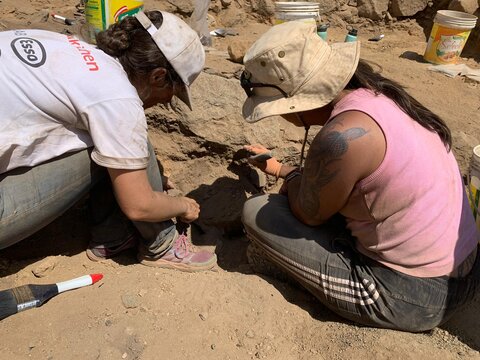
(30, 51)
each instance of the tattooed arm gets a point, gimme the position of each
(346, 150)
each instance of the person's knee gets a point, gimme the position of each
(251, 208)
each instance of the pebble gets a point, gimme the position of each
(45, 267)
(130, 301)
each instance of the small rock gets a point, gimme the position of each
(213, 346)
(237, 50)
(203, 316)
(226, 3)
(124, 356)
(468, 6)
(130, 301)
(45, 267)
(250, 334)
(108, 322)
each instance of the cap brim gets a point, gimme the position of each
(183, 93)
(315, 93)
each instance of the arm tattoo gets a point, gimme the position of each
(326, 149)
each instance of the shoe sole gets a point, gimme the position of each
(159, 263)
(94, 257)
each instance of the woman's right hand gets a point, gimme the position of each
(271, 166)
(192, 210)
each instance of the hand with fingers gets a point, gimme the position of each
(192, 210)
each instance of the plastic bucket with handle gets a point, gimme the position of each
(448, 36)
(295, 10)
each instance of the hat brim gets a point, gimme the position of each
(183, 93)
(315, 93)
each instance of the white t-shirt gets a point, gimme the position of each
(59, 94)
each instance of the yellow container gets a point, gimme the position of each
(474, 183)
(100, 14)
(448, 36)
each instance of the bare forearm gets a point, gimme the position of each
(161, 207)
(140, 203)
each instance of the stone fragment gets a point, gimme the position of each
(182, 6)
(237, 50)
(130, 301)
(407, 7)
(468, 6)
(372, 9)
(45, 267)
(265, 8)
(226, 3)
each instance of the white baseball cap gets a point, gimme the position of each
(181, 46)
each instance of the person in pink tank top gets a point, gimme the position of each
(375, 222)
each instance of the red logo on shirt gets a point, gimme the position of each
(86, 54)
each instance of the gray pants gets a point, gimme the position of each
(31, 198)
(323, 260)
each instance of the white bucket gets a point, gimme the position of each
(474, 183)
(308, 12)
(448, 36)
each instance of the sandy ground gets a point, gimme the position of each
(137, 312)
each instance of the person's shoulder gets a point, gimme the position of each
(358, 135)
(351, 118)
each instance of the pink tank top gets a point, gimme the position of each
(412, 213)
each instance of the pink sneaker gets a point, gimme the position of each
(181, 256)
(99, 252)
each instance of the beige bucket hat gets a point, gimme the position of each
(291, 69)
(181, 46)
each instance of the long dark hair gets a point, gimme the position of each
(133, 46)
(366, 77)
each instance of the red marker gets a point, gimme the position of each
(26, 297)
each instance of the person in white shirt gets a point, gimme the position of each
(72, 121)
